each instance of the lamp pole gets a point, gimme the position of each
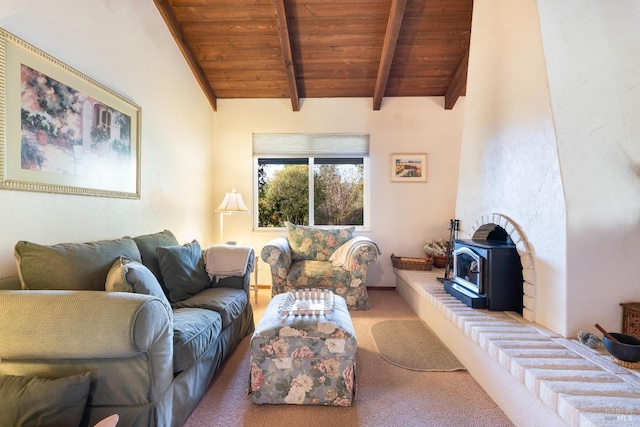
(222, 214)
(231, 203)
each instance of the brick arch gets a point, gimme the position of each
(486, 225)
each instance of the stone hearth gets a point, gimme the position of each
(537, 377)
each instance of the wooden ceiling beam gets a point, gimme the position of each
(388, 49)
(458, 84)
(285, 41)
(174, 27)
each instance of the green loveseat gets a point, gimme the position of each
(151, 346)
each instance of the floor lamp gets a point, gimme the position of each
(232, 203)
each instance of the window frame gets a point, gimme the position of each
(311, 163)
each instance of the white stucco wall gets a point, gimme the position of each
(403, 214)
(592, 51)
(184, 176)
(126, 47)
(509, 162)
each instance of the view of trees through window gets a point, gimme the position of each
(284, 189)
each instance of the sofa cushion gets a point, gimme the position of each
(314, 243)
(132, 276)
(147, 244)
(228, 302)
(70, 266)
(317, 274)
(11, 283)
(194, 330)
(30, 401)
(183, 270)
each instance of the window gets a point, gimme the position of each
(102, 122)
(328, 186)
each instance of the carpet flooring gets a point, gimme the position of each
(410, 344)
(386, 395)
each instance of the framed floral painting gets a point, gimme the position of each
(408, 167)
(62, 132)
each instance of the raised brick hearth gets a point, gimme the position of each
(537, 377)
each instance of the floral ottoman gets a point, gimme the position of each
(304, 360)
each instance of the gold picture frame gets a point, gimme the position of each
(61, 131)
(408, 167)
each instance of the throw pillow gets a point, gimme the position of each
(27, 401)
(131, 276)
(183, 270)
(70, 266)
(147, 245)
(314, 243)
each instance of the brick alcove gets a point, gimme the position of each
(499, 227)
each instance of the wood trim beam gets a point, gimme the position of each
(458, 84)
(285, 42)
(174, 27)
(388, 49)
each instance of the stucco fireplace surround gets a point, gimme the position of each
(537, 377)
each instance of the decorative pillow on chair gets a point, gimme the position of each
(33, 401)
(183, 270)
(131, 276)
(314, 243)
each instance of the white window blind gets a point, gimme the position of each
(310, 145)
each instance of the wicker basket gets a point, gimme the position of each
(440, 261)
(408, 263)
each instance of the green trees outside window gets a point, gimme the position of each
(284, 188)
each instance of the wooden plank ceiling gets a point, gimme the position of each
(324, 48)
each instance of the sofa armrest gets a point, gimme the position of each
(80, 324)
(364, 254)
(240, 282)
(358, 261)
(123, 339)
(277, 253)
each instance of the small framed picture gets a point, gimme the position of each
(408, 167)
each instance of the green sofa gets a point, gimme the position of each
(137, 314)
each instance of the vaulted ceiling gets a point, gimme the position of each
(323, 48)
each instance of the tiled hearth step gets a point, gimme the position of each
(583, 386)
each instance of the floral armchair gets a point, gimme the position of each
(327, 258)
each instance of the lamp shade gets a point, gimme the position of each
(232, 203)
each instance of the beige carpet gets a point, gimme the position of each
(386, 395)
(410, 344)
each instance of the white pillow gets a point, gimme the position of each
(116, 277)
(126, 275)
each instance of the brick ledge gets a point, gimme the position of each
(583, 387)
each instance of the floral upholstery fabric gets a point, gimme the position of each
(313, 243)
(288, 274)
(304, 360)
(317, 274)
